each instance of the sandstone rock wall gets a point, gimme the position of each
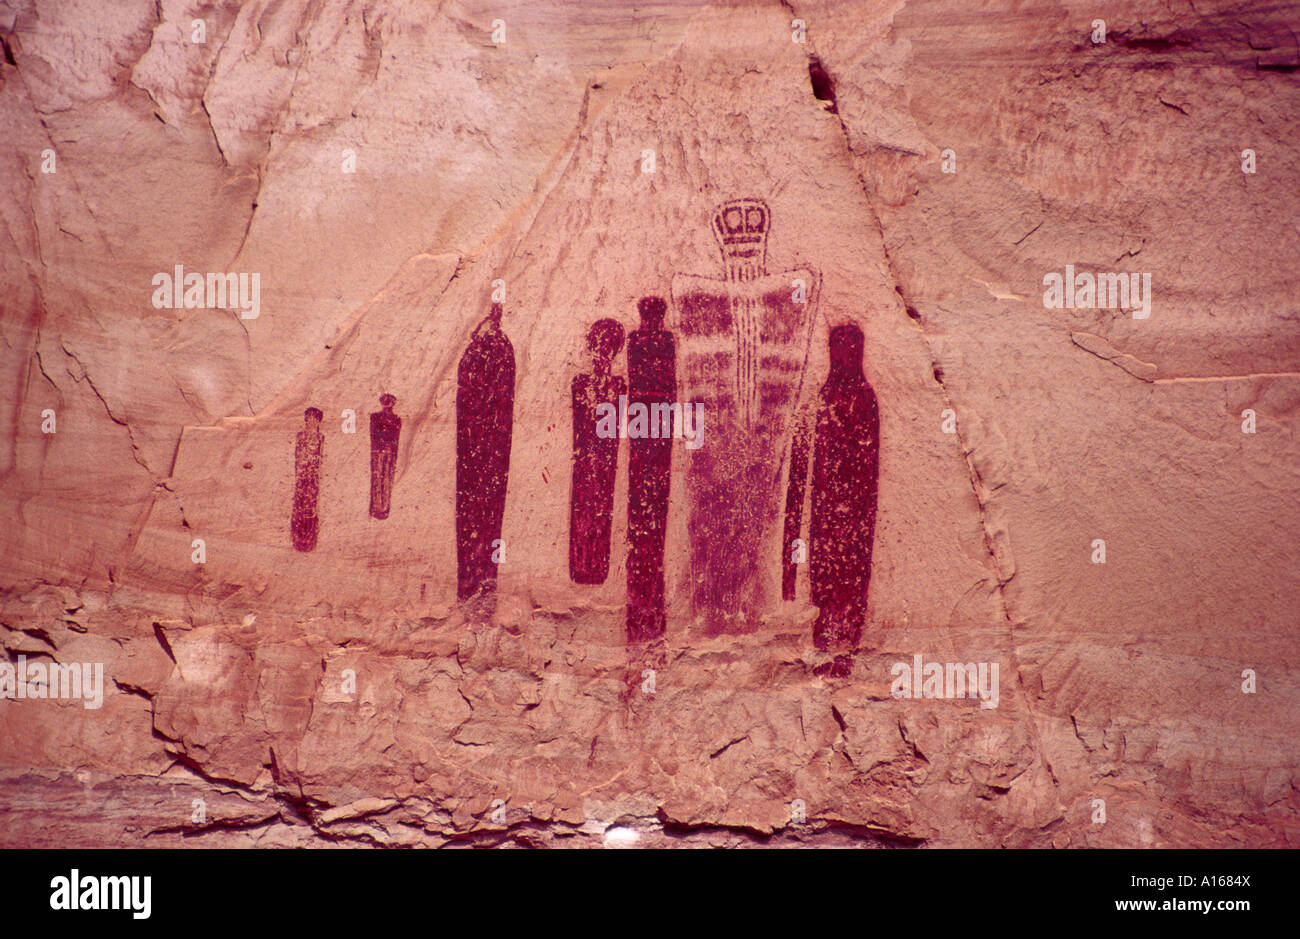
(931, 162)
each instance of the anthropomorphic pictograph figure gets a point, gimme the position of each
(845, 474)
(485, 401)
(304, 524)
(385, 429)
(794, 547)
(744, 342)
(595, 456)
(652, 379)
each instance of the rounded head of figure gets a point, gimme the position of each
(652, 310)
(313, 416)
(605, 340)
(387, 401)
(846, 350)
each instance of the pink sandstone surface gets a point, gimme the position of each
(268, 696)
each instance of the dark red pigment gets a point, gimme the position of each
(652, 379)
(733, 481)
(595, 458)
(846, 467)
(485, 401)
(794, 498)
(744, 349)
(304, 524)
(385, 429)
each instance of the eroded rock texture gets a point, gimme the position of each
(387, 169)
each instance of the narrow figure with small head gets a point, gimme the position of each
(595, 457)
(385, 429)
(846, 468)
(652, 379)
(485, 403)
(304, 524)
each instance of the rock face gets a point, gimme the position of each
(338, 628)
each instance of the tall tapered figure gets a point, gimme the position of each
(846, 468)
(485, 403)
(309, 449)
(652, 379)
(595, 456)
(385, 429)
(744, 342)
(794, 550)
